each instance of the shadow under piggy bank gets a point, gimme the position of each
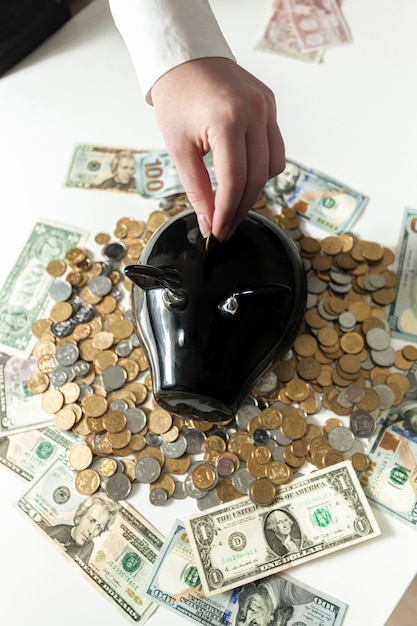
(213, 322)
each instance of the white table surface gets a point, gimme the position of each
(353, 117)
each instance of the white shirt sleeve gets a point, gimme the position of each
(161, 34)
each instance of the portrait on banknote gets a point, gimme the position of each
(94, 516)
(282, 532)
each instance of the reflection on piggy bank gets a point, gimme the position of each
(213, 322)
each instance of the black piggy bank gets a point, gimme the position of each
(213, 321)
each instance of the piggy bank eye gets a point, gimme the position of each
(174, 299)
(229, 306)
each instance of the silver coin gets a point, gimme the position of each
(208, 501)
(362, 424)
(118, 486)
(67, 354)
(315, 285)
(100, 285)
(147, 470)
(80, 368)
(341, 278)
(153, 439)
(386, 396)
(175, 449)
(58, 376)
(195, 439)
(378, 339)
(241, 480)
(118, 404)
(179, 490)
(60, 290)
(341, 438)
(114, 377)
(158, 496)
(354, 393)
(191, 490)
(135, 419)
(383, 358)
(123, 348)
(225, 467)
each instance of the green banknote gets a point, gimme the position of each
(174, 583)
(402, 313)
(317, 198)
(20, 409)
(239, 542)
(150, 173)
(113, 546)
(390, 482)
(24, 294)
(29, 454)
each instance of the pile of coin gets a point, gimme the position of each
(94, 378)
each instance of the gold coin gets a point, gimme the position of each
(226, 491)
(256, 469)
(52, 401)
(262, 491)
(165, 482)
(61, 312)
(38, 383)
(291, 459)
(120, 439)
(305, 345)
(177, 466)
(293, 427)
(65, 418)
(410, 352)
(114, 421)
(352, 343)
(80, 457)
(159, 421)
(271, 418)
(107, 467)
(279, 472)
(87, 482)
(56, 268)
(359, 461)
(71, 392)
(203, 476)
(93, 405)
(297, 390)
(152, 451)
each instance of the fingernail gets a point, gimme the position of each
(224, 234)
(203, 224)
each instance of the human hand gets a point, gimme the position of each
(213, 104)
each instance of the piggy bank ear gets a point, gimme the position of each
(150, 277)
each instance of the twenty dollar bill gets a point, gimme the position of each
(239, 542)
(174, 584)
(113, 546)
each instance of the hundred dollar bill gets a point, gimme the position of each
(113, 546)
(390, 481)
(318, 23)
(402, 313)
(239, 542)
(150, 173)
(174, 583)
(24, 295)
(20, 409)
(29, 454)
(317, 198)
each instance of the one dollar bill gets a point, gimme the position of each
(402, 314)
(239, 542)
(24, 295)
(111, 543)
(174, 584)
(319, 199)
(390, 481)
